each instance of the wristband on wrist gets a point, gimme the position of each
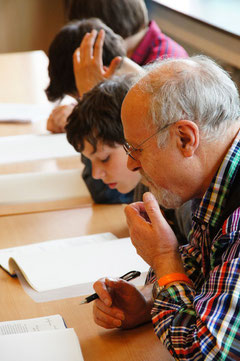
(174, 277)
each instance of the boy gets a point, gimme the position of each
(94, 128)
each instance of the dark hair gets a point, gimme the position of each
(61, 51)
(97, 117)
(125, 17)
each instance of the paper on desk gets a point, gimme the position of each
(42, 338)
(60, 345)
(53, 322)
(22, 148)
(53, 245)
(83, 265)
(24, 113)
(41, 186)
(60, 272)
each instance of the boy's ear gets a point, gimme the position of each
(187, 133)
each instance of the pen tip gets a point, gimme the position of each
(83, 302)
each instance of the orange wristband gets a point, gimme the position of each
(173, 277)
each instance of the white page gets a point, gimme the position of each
(53, 245)
(53, 322)
(24, 113)
(60, 345)
(41, 186)
(69, 292)
(84, 264)
(22, 148)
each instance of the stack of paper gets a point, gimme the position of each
(38, 339)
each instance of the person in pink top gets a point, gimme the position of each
(156, 45)
(144, 40)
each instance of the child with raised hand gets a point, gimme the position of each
(108, 54)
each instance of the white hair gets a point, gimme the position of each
(195, 89)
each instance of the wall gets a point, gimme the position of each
(29, 24)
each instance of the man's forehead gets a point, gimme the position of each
(135, 114)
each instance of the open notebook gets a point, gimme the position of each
(65, 263)
(38, 339)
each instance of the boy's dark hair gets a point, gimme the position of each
(61, 51)
(97, 117)
(125, 17)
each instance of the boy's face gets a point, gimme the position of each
(110, 165)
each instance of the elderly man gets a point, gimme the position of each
(181, 122)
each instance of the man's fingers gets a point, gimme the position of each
(105, 314)
(152, 209)
(112, 312)
(101, 289)
(104, 320)
(136, 212)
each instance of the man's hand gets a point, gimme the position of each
(88, 65)
(121, 304)
(58, 118)
(152, 236)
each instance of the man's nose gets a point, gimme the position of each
(133, 164)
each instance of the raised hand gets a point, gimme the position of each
(88, 64)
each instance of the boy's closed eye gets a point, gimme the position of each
(105, 160)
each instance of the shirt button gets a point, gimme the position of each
(203, 227)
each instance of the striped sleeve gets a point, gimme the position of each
(203, 326)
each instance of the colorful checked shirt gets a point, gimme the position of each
(156, 45)
(203, 323)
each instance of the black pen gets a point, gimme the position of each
(127, 277)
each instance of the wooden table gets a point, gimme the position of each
(140, 344)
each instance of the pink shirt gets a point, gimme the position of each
(156, 45)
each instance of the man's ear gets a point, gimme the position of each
(187, 133)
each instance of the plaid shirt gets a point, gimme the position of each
(156, 45)
(204, 323)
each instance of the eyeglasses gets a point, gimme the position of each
(130, 149)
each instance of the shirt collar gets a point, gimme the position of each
(213, 201)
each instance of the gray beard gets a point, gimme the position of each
(165, 198)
